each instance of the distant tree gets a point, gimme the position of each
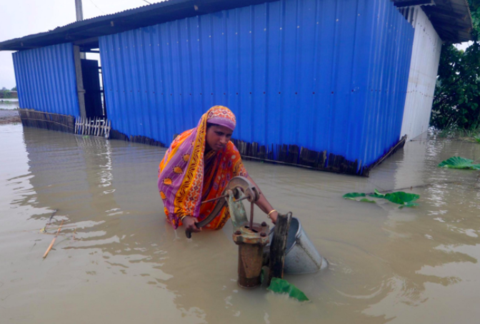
(5, 93)
(456, 103)
(14, 89)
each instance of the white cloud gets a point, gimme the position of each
(25, 17)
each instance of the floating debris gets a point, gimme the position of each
(354, 195)
(53, 241)
(399, 197)
(281, 286)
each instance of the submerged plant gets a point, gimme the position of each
(281, 286)
(401, 198)
(457, 162)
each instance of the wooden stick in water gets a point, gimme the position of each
(53, 241)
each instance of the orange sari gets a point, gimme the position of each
(188, 176)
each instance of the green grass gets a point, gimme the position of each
(473, 134)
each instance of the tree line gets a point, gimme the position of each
(456, 103)
(8, 94)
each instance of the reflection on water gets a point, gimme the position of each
(9, 103)
(124, 263)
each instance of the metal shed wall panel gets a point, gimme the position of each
(320, 74)
(422, 79)
(46, 79)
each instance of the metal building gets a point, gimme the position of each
(326, 84)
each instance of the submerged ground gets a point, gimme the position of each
(9, 117)
(124, 264)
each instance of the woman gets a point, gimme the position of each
(197, 167)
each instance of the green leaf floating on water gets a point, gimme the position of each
(409, 204)
(402, 198)
(377, 194)
(281, 286)
(457, 162)
(353, 195)
(367, 200)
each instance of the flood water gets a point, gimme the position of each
(124, 264)
(9, 104)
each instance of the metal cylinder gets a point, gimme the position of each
(250, 261)
(251, 241)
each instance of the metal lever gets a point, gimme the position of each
(237, 183)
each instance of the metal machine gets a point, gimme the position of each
(254, 250)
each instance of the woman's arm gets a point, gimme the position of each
(264, 205)
(189, 222)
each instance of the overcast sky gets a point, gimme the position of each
(25, 17)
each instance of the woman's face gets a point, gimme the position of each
(218, 137)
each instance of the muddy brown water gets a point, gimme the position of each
(126, 265)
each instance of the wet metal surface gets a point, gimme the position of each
(251, 244)
(127, 265)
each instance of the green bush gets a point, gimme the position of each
(456, 102)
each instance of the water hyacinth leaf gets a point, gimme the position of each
(402, 198)
(377, 194)
(409, 204)
(367, 200)
(457, 162)
(353, 195)
(281, 286)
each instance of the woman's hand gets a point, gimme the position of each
(190, 224)
(273, 216)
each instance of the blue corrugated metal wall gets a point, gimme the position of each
(46, 79)
(321, 74)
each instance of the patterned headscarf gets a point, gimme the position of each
(181, 172)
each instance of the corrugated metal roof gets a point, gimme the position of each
(455, 28)
(89, 30)
(450, 18)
